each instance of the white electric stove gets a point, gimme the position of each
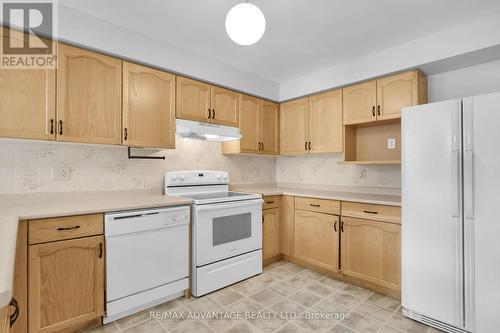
(226, 229)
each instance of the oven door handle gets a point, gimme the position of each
(229, 205)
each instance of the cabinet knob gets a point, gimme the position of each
(60, 127)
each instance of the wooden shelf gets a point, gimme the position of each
(371, 162)
(368, 144)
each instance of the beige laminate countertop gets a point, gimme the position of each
(341, 195)
(17, 207)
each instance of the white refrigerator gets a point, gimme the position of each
(451, 214)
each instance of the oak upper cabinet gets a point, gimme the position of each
(359, 103)
(325, 122)
(224, 105)
(89, 96)
(294, 126)
(193, 100)
(148, 107)
(27, 106)
(371, 251)
(259, 127)
(66, 284)
(382, 99)
(249, 124)
(317, 239)
(270, 233)
(269, 128)
(398, 91)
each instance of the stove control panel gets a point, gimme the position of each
(184, 178)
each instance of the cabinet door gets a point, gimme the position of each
(270, 233)
(89, 96)
(4, 319)
(148, 107)
(359, 103)
(66, 284)
(317, 239)
(224, 106)
(325, 122)
(294, 124)
(269, 128)
(371, 251)
(395, 92)
(27, 106)
(193, 100)
(249, 123)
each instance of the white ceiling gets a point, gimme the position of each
(302, 36)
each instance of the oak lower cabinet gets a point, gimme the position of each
(270, 233)
(371, 251)
(5, 319)
(66, 284)
(89, 96)
(148, 107)
(317, 239)
(271, 226)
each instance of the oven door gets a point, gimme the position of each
(226, 230)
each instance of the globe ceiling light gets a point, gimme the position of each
(245, 24)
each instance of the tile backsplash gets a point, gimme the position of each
(325, 170)
(37, 166)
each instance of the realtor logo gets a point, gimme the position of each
(27, 35)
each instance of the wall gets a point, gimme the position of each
(464, 38)
(324, 170)
(35, 166)
(91, 32)
(469, 81)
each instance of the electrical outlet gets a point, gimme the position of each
(62, 173)
(391, 143)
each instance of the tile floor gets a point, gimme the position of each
(285, 298)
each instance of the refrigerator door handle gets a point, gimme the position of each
(456, 179)
(469, 184)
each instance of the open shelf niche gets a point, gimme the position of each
(368, 143)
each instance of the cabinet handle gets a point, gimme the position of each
(262, 146)
(305, 145)
(342, 226)
(314, 205)
(370, 212)
(51, 126)
(69, 228)
(263, 219)
(378, 110)
(373, 111)
(126, 135)
(213, 113)
(100, 250)
(309, 145)
(269, 202)
(60, 127)
(335, 226)
(15, 315)
(209, 114)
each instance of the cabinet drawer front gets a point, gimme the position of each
(373, 212)
(318, 205)
(55, 229)
(271, 202)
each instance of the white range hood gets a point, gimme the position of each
(206, 131)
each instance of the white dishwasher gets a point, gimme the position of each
(147, 259)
